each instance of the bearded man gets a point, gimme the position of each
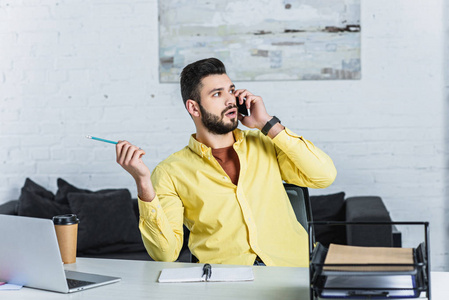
(226, 186)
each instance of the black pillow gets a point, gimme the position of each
(36, 201)
(65, 188)
(329, 208)
(36, 189)
(106, 218)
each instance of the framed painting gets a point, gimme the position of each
(262, 40)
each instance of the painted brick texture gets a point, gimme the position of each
(68, 69)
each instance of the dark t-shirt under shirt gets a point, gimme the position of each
(229, 161)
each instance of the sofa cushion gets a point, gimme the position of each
(106, 218)
(9, 208)
(65, 188)
(35, 188)
(36, 201)
(366, 209)
(329, 208)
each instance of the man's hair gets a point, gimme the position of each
(193, 73)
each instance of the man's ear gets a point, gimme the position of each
(193, 108)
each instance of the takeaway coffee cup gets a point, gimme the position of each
(66, 227)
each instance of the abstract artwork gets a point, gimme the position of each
(262, 39)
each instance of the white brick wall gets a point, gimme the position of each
(68, 69)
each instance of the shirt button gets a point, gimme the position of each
(153, 210)
(224, 177)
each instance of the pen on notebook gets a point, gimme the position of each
(207, 270)
(99, 139)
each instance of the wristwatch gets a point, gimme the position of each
(270, 124)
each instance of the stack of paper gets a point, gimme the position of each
(396, 286)
(351, 271)
(9, 286)
(351, 256)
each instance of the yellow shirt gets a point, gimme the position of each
(232, 224)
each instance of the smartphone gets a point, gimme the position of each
(242, 107)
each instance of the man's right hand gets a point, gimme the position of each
(130, 158)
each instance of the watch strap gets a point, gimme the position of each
(270, 124)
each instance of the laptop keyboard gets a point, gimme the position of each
(74, 283)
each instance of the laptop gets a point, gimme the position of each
(29, 256)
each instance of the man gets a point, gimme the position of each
(226, 186)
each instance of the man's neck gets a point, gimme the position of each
(215, 141)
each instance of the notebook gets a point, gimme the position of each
(29, 256)
(196, 274)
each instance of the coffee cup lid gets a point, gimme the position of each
(68, 219)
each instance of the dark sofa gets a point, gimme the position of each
(336, 208)
(108, 225)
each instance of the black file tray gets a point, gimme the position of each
(356, 284)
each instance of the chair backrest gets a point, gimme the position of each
(299, 198)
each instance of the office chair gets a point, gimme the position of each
(299, 198)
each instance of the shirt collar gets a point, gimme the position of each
(203, 150)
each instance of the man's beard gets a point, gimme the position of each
(215, 124)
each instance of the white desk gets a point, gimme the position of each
(139, 281)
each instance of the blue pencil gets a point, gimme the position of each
(101, 140)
